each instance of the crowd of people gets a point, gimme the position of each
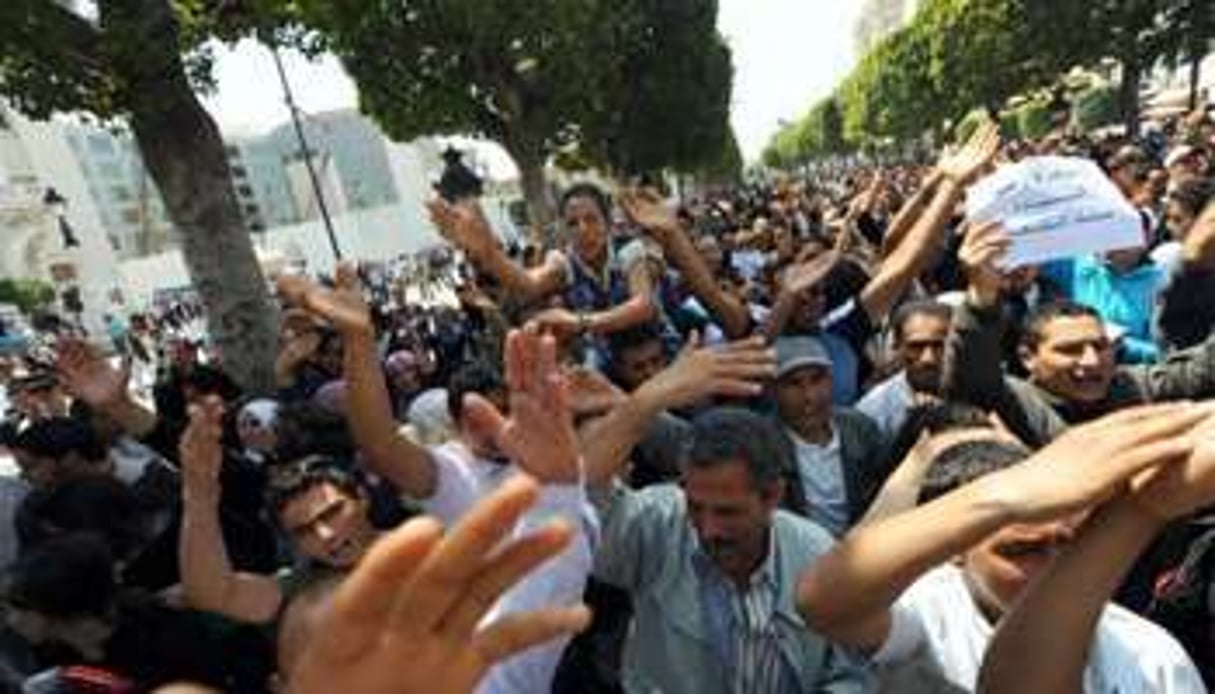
(806, 435)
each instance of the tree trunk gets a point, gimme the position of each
(1129, 95)
(541, 210)
(184, 153)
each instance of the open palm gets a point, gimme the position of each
(343, 305)
(539, 433)
(89, 376)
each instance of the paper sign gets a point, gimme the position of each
(1055, 207)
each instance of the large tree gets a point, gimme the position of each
(632, 84)
(132, 60)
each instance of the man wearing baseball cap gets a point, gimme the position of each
(838, 460)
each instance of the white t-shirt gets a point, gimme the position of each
(463, 479)
(938, 632)
(822, 475)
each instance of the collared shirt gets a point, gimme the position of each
(743, 623)
(821, 470)
(888, 402)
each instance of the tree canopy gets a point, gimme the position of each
(958, 55)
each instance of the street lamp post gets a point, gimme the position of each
(307, 152)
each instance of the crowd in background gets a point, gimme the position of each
(808, 434)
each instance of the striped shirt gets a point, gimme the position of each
(743, 626)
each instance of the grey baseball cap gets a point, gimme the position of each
(793, 353)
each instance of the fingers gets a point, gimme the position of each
(484, 420)
(1126, 420)
(508, 567)
(357, 613)
(346, 277)
(438, 584)
(514, 359)
(519, 632)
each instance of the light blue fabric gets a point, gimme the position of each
(649, 548)
(1125, 299)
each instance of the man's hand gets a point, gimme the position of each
(1093, 462)
(965, 165)
(646, 208)
(808, 274)
(89, 376)
(590, 392)
(343, 306)
(464, 225)
(201, 450)
(561, 322)
(539, 433)
(738, 369)
(1174, 491)
(408, 620)
(982, 247)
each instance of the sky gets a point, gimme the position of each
(787, 54)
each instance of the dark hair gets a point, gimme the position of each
(208, 380)
(476, 377)
(631, 338)
(935, 418)
(290, 481)
(1037, 319)
(589, 191)
(934, 309)
(100, 505)
(967, 461)
(68, 576)
(304, 428)
(58, 437)
(1193, 195)
(726, 435)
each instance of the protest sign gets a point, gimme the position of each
(1055, 207)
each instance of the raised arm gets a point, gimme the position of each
(208, 580)
(797, 280)
(913, 255)
(648, 211)
(847, 595)
(388, 452)
(735, 370)
(91, 378)
(1042, 645)
(909, 213)
(464, 225)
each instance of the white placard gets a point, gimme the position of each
(1055, 207)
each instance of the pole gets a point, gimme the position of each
(303, 141)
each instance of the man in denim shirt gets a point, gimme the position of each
(712, 568)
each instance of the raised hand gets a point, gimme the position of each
(408, 620)
(343, 306)
(808, 274)
(89, 376)
(965, 164)
(201, 447)
(646, 208)
(560, 322)
(1093, 462)
(539, 434)
(464, 225)
(590, 392)
(738, 369)
(983, 245)
(1174, 491)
